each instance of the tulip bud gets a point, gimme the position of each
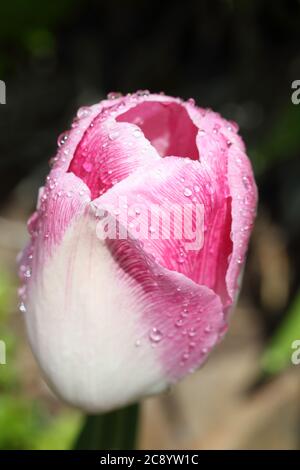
(137, 246)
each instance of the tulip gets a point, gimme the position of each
(111, 319)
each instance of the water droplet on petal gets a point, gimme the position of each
(113, 135)
(185, 356)
(246, 182)
(187, 192)
(216, 128)
(83, 112)
(192, 332)
(181, 259)
(27, 273)
(62, 138)
(87, 167)
(22, 307)
(155, 335)
(185, 313)
(113, 95)
(143, 92)
(137, 133)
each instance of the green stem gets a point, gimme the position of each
(111, 431)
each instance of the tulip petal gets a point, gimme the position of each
(223, 150)
(167, 125)
(202, 245)
(108, 152)
(119, 325)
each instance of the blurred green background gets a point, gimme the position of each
(237, 57)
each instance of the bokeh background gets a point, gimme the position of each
(237, 57)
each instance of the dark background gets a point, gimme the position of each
(237, 57)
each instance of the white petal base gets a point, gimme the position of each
(89, 353)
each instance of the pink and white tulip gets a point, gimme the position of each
(112, 320)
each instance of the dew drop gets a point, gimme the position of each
(155, 335)
(179, 322)
(192, 332)
(246, 182)
(185, 356)
(113, 135)
(83, 112)
(216, 128)
(185, 312)
(187, 192)
(27, 273)
(87, 167)
(62, 138)
(137, 133)
(113, 95)
(22, 307)
(143, 92)
(180, 259)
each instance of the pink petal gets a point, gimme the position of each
(109, 325)
(175, 183)
(63, 198)
(223, 150)
(167, 125)
(108, 153)
(184, 320)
